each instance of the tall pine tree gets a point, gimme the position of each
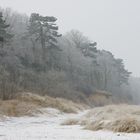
(44, 30)
(4, 35)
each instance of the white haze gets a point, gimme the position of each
(114, 24)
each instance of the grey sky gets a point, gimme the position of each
(114, 24)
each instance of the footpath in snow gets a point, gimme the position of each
(47, 127)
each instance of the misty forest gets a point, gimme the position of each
(41, 65)
(36, 57)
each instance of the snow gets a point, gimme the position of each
(47, 127)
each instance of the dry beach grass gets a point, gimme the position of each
(117, 118)
(30, 104)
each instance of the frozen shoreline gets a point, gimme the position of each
(47, 127)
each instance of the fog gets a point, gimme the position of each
(70, 49)
(69, 61)
(115, 25)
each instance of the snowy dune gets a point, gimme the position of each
(48, 127)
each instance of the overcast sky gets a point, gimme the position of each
(113, 24)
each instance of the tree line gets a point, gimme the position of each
(35, 57)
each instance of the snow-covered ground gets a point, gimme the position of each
(47, 127)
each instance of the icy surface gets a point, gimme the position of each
(47, 127)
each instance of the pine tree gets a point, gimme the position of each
(90, 50)
(123, 73)
(4, 35)
(44, 30)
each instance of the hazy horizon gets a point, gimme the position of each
(114, 25)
